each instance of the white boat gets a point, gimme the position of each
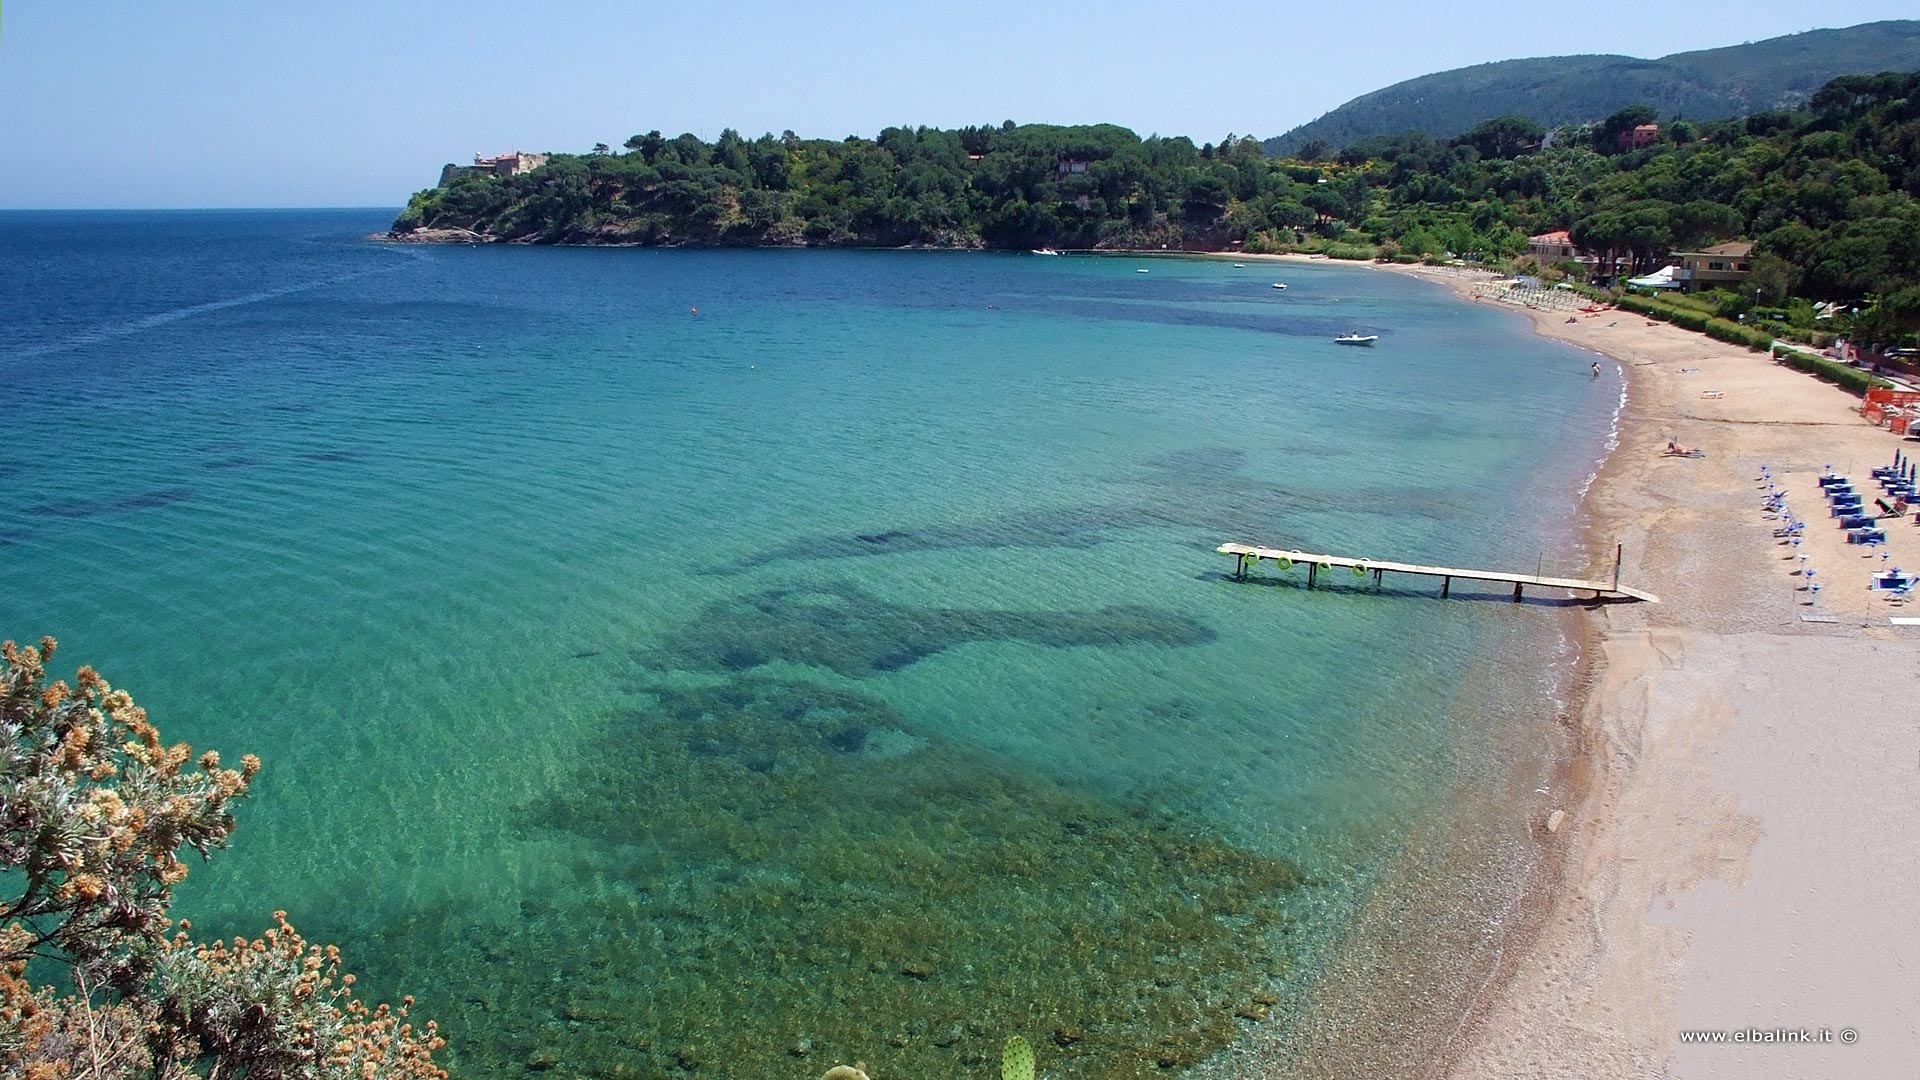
(1356, 339)
(1142, 270)
(1279, 285)
(1045, 251)
(1239, 266)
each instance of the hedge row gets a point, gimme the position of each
(1841, 375)
(1700, 323)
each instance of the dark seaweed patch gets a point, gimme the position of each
(86, 508)
(762, 878)
(848, 631)
(1200, 488)
(330, 455)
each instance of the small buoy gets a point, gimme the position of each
(693, 311)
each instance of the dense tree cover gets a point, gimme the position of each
(1556, 90)
(1828, 193)
(95, 812)
(1006, 186)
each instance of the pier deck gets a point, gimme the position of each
(1245, 555)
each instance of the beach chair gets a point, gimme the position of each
(1857, 521)
(1847, 509)
(1866, 535)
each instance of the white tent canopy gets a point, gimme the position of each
(1659, 279)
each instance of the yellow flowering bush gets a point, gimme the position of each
(95, 812)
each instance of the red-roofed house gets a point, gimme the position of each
(1556, 247)
(1642, 135)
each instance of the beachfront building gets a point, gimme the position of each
(1557, 247)
(508, 164)
(1719, 266)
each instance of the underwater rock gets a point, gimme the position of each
(850, 632)
(86, 508)
(845, 1072)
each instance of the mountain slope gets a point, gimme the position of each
(1706, 85)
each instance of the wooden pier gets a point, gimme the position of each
(1247, 556)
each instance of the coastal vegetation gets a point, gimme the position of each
(95, 812)
(1828, 193)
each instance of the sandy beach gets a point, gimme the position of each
(1735, 834)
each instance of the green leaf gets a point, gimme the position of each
(1016, 1063)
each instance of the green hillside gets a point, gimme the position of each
(1737, 80)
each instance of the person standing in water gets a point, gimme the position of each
(1596, 369)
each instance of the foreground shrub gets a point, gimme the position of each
(94, 812)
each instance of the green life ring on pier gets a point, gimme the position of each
(1285, 563)
(1326, 567)
(1361, 570)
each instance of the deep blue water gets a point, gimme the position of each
(641, 642)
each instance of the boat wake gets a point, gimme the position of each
(108, 333)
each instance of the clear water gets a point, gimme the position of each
(842, 669)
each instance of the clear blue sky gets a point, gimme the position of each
(117, 103)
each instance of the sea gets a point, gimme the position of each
(737, 662)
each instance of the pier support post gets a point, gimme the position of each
(1446, 583)
(1516, 592)
(1313, 571)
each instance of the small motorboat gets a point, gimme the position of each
(1279, 285)
(1142, 270)
(1239, 266)
(1356, 338)
(1045, 251)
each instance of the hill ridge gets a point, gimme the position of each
(1702, 84)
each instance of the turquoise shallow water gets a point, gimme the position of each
(842, 667)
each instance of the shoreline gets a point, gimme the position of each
(1688, 804)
